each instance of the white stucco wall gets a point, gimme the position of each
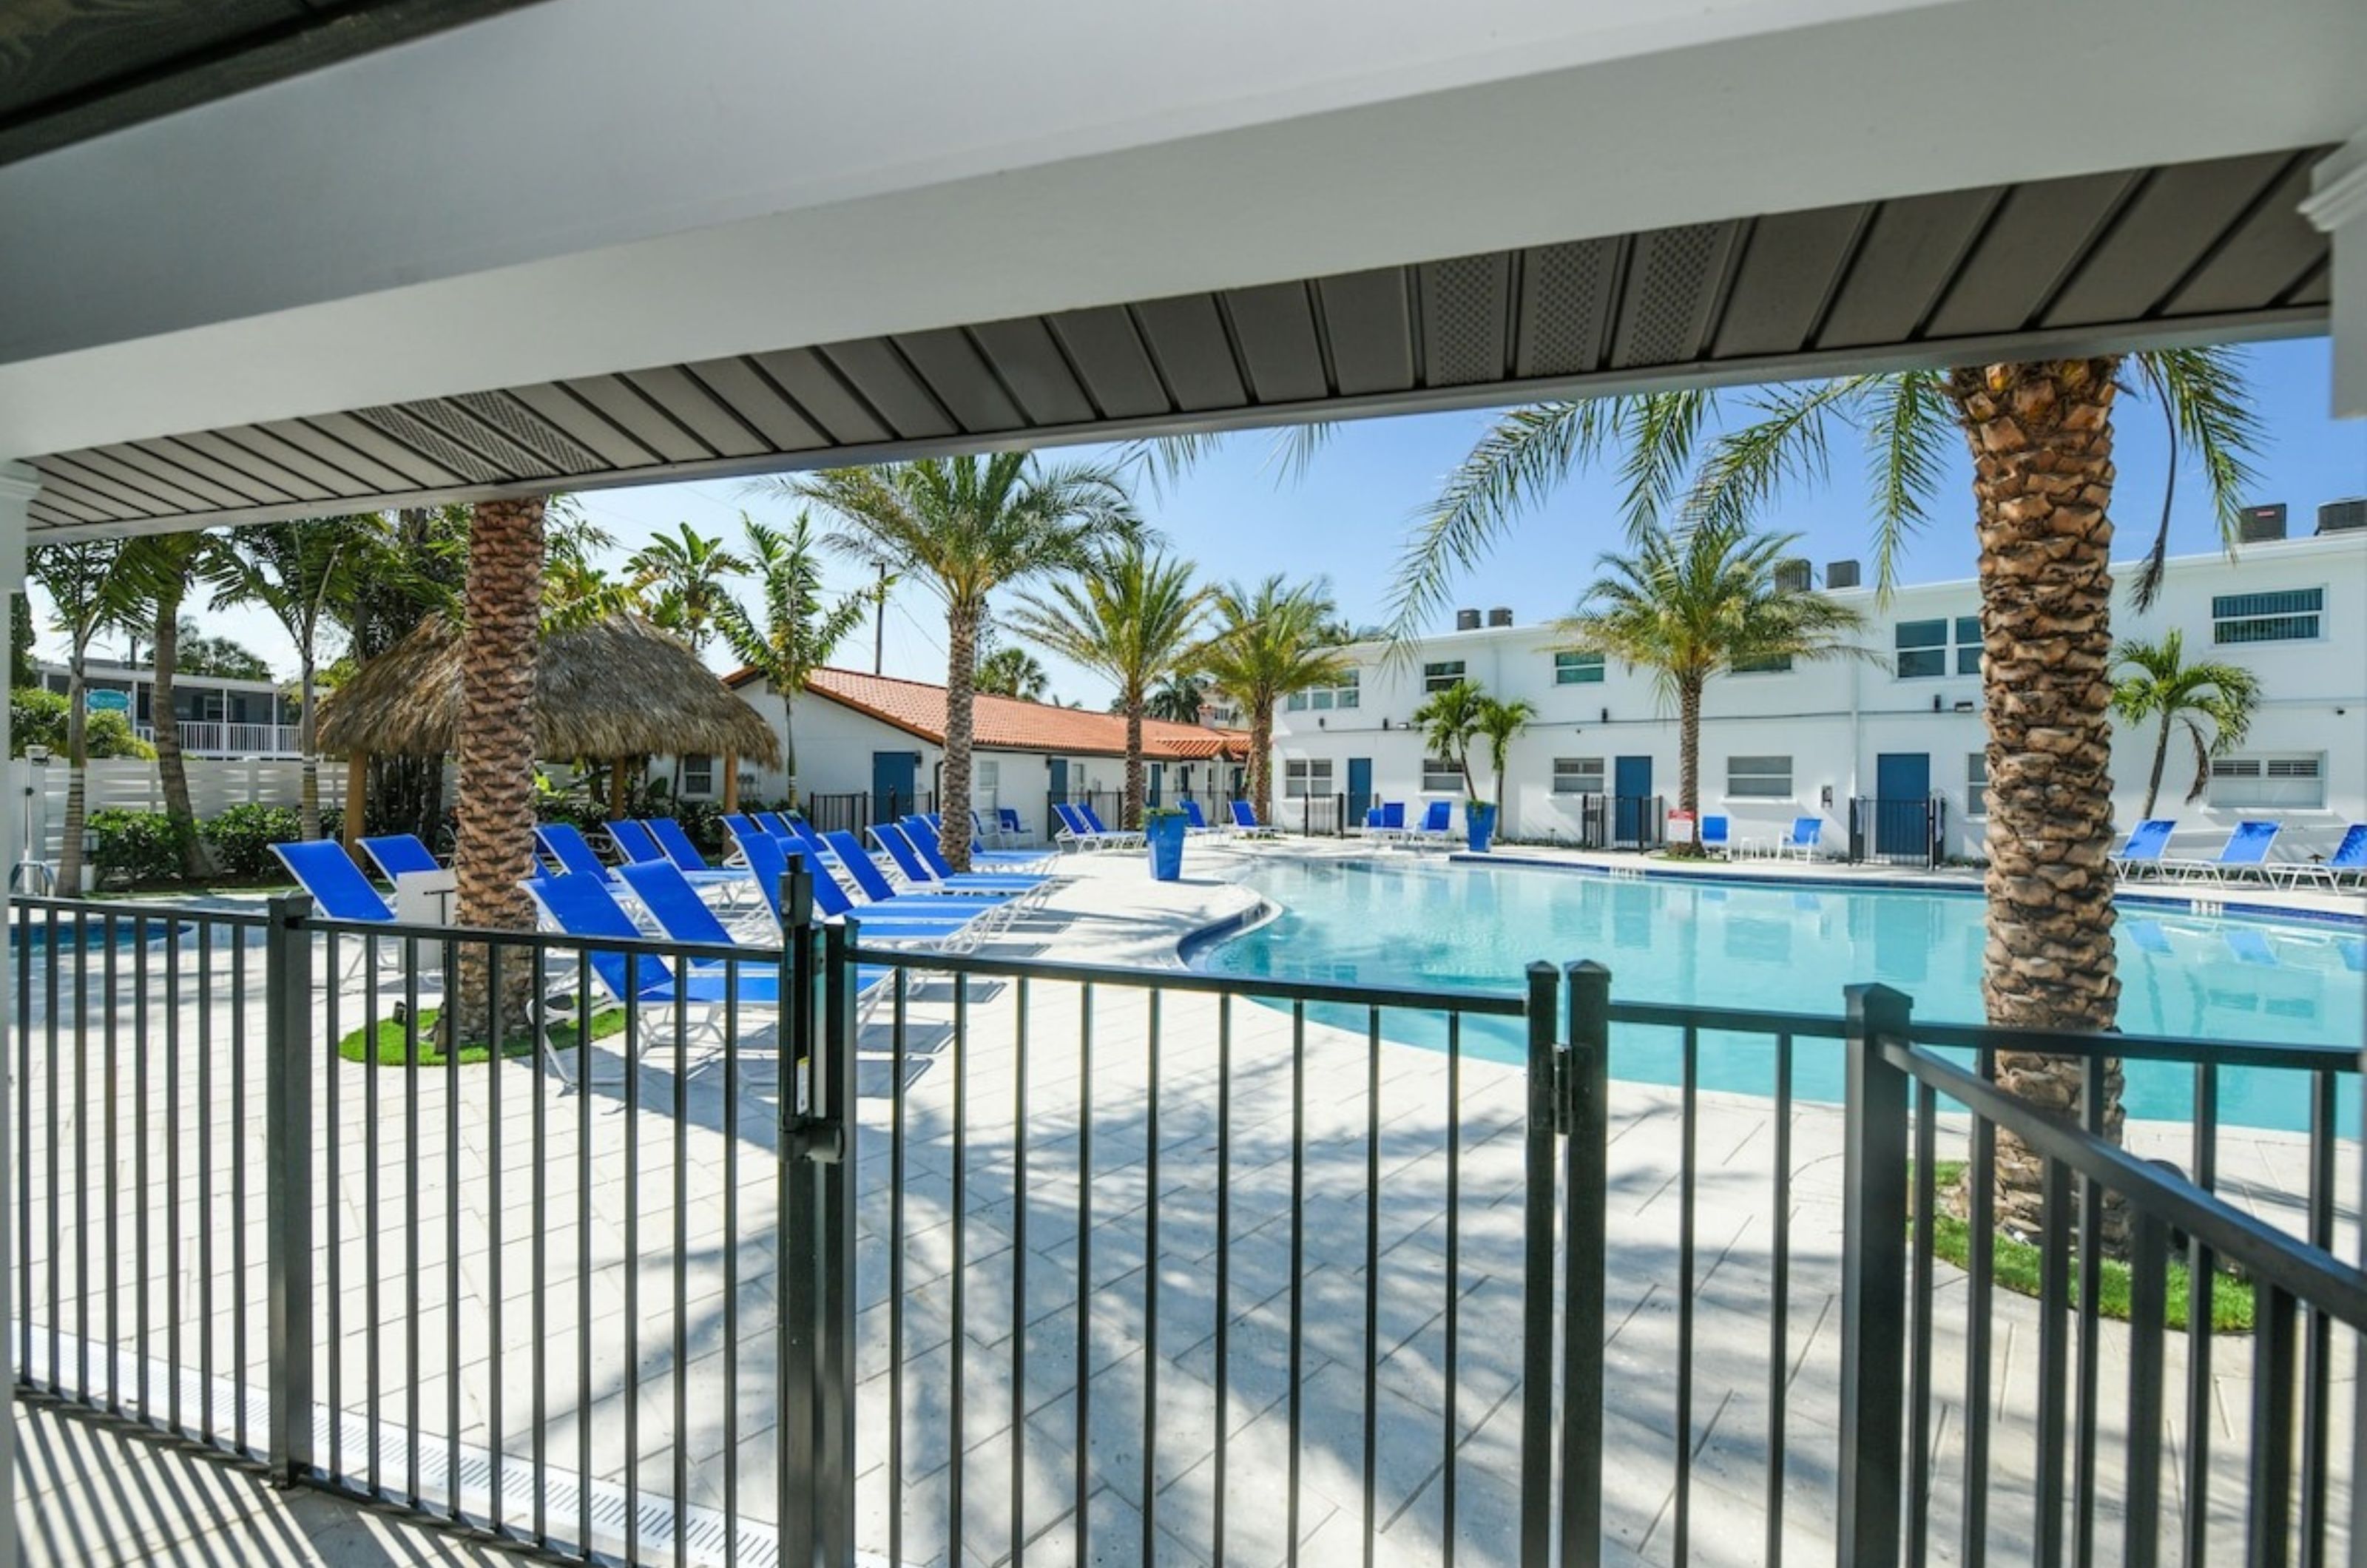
(1834, 720)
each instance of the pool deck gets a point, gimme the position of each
(1109, 911)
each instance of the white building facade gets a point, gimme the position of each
(1901, 724)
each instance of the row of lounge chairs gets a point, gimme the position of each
(1081, 827)
(2246, 856)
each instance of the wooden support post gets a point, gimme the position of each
(357, 787)
(617, 789)
(731, 783)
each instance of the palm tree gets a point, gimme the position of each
(684, 571)
(2160, 684)
(1270, 642)
(1013, 672)
(1697, 602)
(799, 632)
(300, 572)
(154, 577)
(1134, 618)
(2040, 435)
(1178, 700)
(1448, 718)
(1500, 724)
(493, 853)
(965, 527)
(85, 596)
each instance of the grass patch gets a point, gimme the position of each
(2015, 1268)
(392, 1047)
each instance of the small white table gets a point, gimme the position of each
(424, 897)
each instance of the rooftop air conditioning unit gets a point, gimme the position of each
(1467, 620)
(1792, 576)
(1841, 574)
(2260, 524)
(1500, 616)
(2339, 516)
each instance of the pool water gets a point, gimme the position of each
(1721, 942)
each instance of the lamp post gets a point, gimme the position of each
(32, 876)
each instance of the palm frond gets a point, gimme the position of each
(2209, 408)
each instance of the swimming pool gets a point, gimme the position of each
(1733, 943)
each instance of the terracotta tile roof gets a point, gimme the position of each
(1007, 723)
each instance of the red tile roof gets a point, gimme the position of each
(1008, 724)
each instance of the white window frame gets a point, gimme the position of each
(697, 776)
(985, 781)
(1347, 694)
(2268, 781)
(1440, 674)
(1977, 783)
(1299, 773)
(1747, 784)
(1577, 672)
(1579, 776)
(1440, 776)
(1958, 649)
(2221, 621)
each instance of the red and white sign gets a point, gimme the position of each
(1680, 828)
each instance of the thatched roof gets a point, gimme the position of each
(617, 687)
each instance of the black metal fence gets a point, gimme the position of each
(1272, 1270)
(1899, 832)
(850, 813)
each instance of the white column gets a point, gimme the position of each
(2338, 206)
(18, 485)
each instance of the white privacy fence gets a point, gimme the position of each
(215, 786)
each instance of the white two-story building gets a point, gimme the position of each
(1903, 724)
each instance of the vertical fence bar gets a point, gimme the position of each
(1539, 1217)
(2148, 1309)
(2201, 1296)
(1019, 1276)
(1874, 1267)
(957, 1279)
(835, 1091)
(1688, 1138)
(1451, 1325)
(1586, 1101)
(1918, 1365)
(2091, 1289)
(1223, 1346)
(1779, 1303)
(796, 1259)
(1297, 1355)
(2054, 1381)
(2268, 1521)
(1084, 1372)
(287, 1133)
(1980, 1265)
(2318, 1327)
(1149, 1292)
(1372, 1437)
(900, 1002)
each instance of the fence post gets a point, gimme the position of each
(834, 1094)
(794, 1256)
(1539, 1212)
(1874, 1278)
(287, 1200)
(1586, 1175)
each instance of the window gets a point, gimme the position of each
(1302, 777)
(1977, 783)
(1923, 647)
(1324, 698)
(1578, 775)
(1440, 776)
(1773, 664)
(1577, 669)
(2291, 615)
(697, 774)
(1438, 677)
(985, 781)
(2290, 780)
(1765, 778)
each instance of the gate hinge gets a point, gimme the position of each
(821, 1139)
(1564, 1090)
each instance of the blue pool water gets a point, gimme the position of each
(1735, 943)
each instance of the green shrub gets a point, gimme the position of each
(242, 838)
(109, 734)
(703, 821)
(140, 845)
(37, 718)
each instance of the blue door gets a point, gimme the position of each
(1055, 781)
(1631, 783)
(1902, 789)
(1360, 787)
(1150, 789)
(893, 779)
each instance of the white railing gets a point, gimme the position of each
(214, 738)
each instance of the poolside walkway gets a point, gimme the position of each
(483, 1292)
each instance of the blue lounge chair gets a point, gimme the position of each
(924, 833)
(917, 871)
(2146, 843)
(2348, 860)
(1118, 838)
(1802, 840)
(1438, 824)
(583, 907)
(1013, 830)
(1073, 831)
(2245, 852)
(400, 854)
(1716, 833)
(1194, 820)
(678, 848)
(565, 842)
(884, 896)
(339, 890)
(633, 842)
(1246, 823)
(682, 915)
(796, 829)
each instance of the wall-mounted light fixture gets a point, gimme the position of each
(1606, 715)
(1965, 706)
(1935, 702)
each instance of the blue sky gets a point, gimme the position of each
(1347, 518)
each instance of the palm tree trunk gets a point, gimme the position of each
(1133, 807)
(961, 694)
(2042, 444)
(789, 741)
(309, 817)
(1260, 782)
(2160, 759)
(78, 767)
(1689, 717)
(494, 851)
(165, 722)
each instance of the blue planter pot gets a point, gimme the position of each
(1479, 825)
(1166, 836)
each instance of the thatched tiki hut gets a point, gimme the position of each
(611, 690)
